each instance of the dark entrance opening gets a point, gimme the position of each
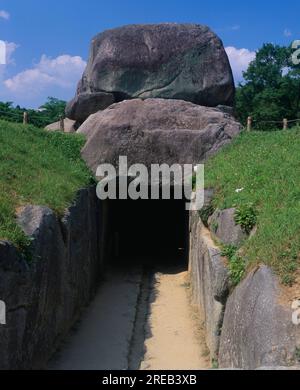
(149, 232)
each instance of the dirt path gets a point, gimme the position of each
(137, 320)
(174, 338)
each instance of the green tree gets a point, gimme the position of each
(271, 90)
(48, 113)
(53, 108)
(7, 111)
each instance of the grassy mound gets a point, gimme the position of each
(37, 167)
(265, 169)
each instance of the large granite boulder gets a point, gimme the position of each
(156, 131)
(172, 61)
(258, 330)
(85, 104)
(224, 228)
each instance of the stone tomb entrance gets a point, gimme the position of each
(141, 317)
(148, 232)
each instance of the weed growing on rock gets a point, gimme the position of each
(228, 251)
(237, 266)
(237, 269)
(246, 217)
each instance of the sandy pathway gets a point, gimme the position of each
(174, 338)
(136, 318)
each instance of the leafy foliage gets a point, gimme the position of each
(246, 217)
(237, 266)
(229, 251)
(271, 90)
(53, 108)
(48, 113)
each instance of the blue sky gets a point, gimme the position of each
(48, 41)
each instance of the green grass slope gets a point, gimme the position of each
(37, 167)
(266, 165)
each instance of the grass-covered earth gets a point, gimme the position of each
(260, 172)
(37, 167)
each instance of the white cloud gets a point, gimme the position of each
(11, 47)
(287, 33)
(63, 72)
(239, 60)
(4, 15)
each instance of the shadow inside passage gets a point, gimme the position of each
(149, 233)
(152, 236)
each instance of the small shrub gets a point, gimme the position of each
(237, 266)
(237, 269)
(246, 217)
(229, 251)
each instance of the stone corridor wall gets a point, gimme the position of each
(249, 326)
(45, 297)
